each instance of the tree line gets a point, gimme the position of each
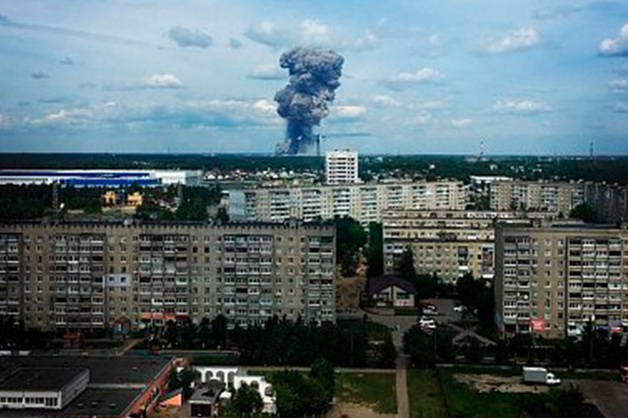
(282, 342)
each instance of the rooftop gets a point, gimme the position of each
(378, 284)
(40, 379)
(103, 370)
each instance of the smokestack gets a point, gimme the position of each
(304, 102)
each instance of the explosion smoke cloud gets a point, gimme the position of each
(304, 102)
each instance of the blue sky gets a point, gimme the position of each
(430, 76)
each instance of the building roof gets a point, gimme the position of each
(109, 371)
(103, 403)
(40, 379)
(208, 394)
(380, 283)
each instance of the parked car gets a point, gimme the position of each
(459, 308)
(425, 322)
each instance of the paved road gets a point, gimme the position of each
(609, 397)
(463, 333)
(400, 325)
(403, 409)
(307, 369)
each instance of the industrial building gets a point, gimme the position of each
(363, 202)
(560, 197)
(552, 278)
(101, 387)
(341, 166)
(92, 275)
(101, 178)
(446, 243)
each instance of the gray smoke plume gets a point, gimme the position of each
(305, 100)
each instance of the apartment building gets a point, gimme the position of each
(89, 275)
(364, 202)
(447, 243)
(559, 197)
(554, 278)
(610, 201)
(341, 166)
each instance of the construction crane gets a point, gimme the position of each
(320, 137)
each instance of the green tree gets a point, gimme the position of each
(584, 212)
(247, 401)
(405, 266)
(350, 238)
(323, 371)
(204, 333)
(219, 330)
(420, 347)
(375, 251)
(183, 379)
(298, 395)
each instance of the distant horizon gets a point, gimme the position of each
(272, 155)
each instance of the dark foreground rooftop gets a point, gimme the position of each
(103, 370)
(51, 378)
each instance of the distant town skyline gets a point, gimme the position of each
(535, 77)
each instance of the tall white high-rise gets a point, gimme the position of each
(341, 166)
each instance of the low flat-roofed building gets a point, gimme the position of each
(115, 387)
(205, 402)
(42, 388)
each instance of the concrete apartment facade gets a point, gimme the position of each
(341, 166)
(554, 278)
(610, 201)
(89, 275)
(363, 202)
(560, 197)
(447, 243)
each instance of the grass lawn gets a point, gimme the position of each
(467, 402)
(375, 390)
(426, 399)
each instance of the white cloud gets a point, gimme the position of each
(617, 46)
(517, 40)
(314, 33)
(434, 40)
(268, 33)
(93, 115)
(433, 104)
(461, 123)
(265, 107)
(185, 37)
(618, 85)
(421, 119)
(383, 100)
(621, 107)
(189, 114)
(267, 72)
(521, 107)
(560, 12)
(424, 75)
(348, 111)
(368, 41)
(310, 33)
(163, 81)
